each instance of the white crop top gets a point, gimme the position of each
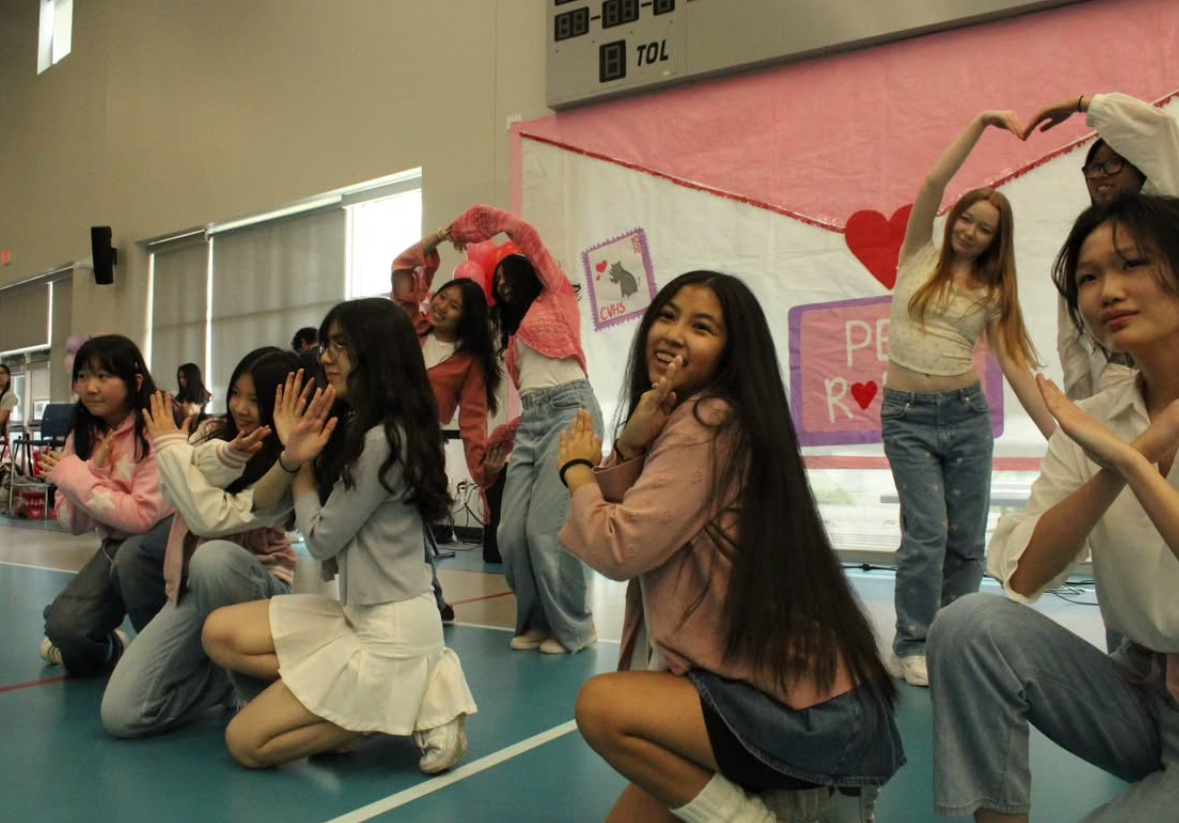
(944, 343)
(540, 372)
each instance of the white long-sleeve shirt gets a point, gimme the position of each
(1149, 138)
(1137, 574)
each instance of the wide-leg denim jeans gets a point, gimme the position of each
(997, 667)
(939, 446)
(549, 582)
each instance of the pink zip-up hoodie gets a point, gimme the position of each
(118, 500)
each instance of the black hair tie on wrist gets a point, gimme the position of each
(577, 461)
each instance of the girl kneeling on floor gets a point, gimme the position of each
(747, 664)
(365, 483)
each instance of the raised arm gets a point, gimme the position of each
(1143, 134)
(480, 223)
(929, 196)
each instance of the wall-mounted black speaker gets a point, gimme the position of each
(104, 255)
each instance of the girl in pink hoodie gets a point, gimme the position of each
(107, 481)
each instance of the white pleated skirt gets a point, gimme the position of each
(382, 668)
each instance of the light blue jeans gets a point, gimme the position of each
(996, 666)
(164, 678)
(548, 581)
(939, 447)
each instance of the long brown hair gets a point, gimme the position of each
(995, 268)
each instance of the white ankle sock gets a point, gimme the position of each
(723, 801)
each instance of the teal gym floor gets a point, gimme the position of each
(526, 763)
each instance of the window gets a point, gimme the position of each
(56, 32)
(378, 230)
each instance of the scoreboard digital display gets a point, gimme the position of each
(603, 48)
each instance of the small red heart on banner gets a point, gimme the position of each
(601, 267)
(876, 242)
(864, 392)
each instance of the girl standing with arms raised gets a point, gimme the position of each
(747, 664)
(539, 322)
(934, 419)
(107, 481)
(365, 485)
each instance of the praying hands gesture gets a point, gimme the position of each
(1101, 446)
(301, 420)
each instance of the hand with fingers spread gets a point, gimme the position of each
(250, 443)
(158, 419)
(301, 419)
(1054, 114)
(650, 415)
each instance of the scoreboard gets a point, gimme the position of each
(604, 48)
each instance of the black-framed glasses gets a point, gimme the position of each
(336, 347)
(1110, 167)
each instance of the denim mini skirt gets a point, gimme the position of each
(848, 741)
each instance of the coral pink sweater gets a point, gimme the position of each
(552, 325)
(458, 381)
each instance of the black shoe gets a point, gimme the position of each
(447, 612)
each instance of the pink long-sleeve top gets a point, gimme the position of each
(646, 518)
(194, 480)
(418, 268)
(459, 382)
(121, 498)
(552, 325)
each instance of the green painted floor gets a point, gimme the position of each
(526, 763)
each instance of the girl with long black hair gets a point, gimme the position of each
(748, 666)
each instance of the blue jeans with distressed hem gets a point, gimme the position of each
(997, 667)
(939, 446)
(549, 582)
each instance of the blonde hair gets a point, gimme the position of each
(995, 267)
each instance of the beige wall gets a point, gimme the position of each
(169, 114)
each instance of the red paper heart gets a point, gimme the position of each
(601, 267)
(876, 242)
(864, 392)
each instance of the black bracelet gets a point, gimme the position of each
(577, 461)
(1079, 99)
(283, 466)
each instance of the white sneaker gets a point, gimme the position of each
(911, 668)
(50, 653)
(554, 646)
(531, 639)
(442, 746)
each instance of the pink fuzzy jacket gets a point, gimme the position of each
(552, 325)
(120, 498)
(646, 518)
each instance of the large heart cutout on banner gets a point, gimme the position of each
(876, 241)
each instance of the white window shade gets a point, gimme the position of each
(269, 280)
(63, 308)
(24, 317)
(179, 309)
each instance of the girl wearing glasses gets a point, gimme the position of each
(1137, 150)
(934, 420)
(539, 324)
(365, 484)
